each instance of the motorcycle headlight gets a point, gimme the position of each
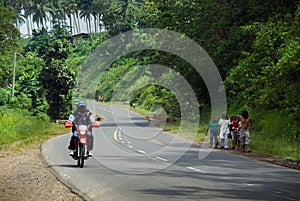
(82, 132)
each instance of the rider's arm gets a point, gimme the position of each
(71, 118)
(92, 118)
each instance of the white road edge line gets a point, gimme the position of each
(162, 159)
(140, 151)
(195, 169)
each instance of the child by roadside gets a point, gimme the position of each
(213, 128)
(233, 131)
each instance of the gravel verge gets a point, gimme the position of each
(24, 176)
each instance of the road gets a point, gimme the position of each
(134, 160)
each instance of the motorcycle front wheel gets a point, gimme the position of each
(82, 155)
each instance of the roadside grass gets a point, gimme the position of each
(19, 130)
(274, 133)
(189, 133)
(275, 146)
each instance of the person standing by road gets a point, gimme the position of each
(233, 131)
(223, 131)
(213, 127)
(245, 126)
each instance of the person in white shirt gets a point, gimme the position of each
(223, 131)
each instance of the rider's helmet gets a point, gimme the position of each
(81, 106)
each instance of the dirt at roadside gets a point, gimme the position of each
(270, 159)
(25, 177)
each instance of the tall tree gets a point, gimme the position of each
(86, 15)
(70, 8)
(266, 75)
(9, 35)
(27, 14)
(86, 12)
(122, 15)
(40, 10)
(58, 79)
(17, 7)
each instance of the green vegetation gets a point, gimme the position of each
(276, 134)
(254, 44)
(18, 129)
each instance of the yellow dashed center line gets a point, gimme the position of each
(157, 142)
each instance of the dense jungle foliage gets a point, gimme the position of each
(255, 44)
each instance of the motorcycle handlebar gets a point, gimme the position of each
(95, 124)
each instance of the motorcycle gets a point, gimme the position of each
(82, 142)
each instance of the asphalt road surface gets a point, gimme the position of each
(136, 161)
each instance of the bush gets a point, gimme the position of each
(21, 101)
(18, 128)
(276, 133)
(275, 124)
(3, 96)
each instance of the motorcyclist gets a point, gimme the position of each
(81, 116)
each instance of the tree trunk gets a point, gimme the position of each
(95, 23)
(28, 25)
(78, 21)
(75, 24)
(71, 26)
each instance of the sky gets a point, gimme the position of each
(83, 27)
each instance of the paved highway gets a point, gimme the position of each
(135, 161)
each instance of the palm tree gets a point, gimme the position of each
(20, 20)
(57, 13)
(86, 14)
(70, 8)
(27, 4)
(75, 14)
(76, 18)
(16, 5)
(125, 15)
(40, 11)
(94, 13)
(100, 9)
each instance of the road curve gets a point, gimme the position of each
(134, 160)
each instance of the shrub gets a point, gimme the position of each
(3, 96)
